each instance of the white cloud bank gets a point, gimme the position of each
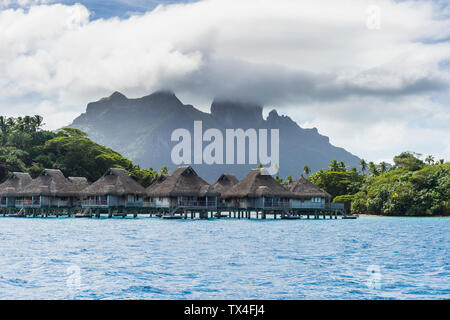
(371, 90)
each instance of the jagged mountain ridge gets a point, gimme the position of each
(141, 130)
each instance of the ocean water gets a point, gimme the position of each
(149, 258)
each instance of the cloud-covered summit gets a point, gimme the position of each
(320, 61)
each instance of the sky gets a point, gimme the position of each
(371, 75)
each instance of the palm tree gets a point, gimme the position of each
(334, 166)
(288, 180)
(11, 122)
(383, 167)
(28, 125)
(342, 167)
(429, 159)
(306, 170)
(4, 128)
(373, 169)
(363, 165)
(20, 125)
(441, 161)
(164, 170)
(38, 121)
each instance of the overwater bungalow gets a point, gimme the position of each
(225, 182)
(258, 191)
(78, 185)
(115, 189)
(170, 196)
(307, 195)
(155, 202)
(9, 190)
(183, 190)
(51, 189)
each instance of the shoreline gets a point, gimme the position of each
(366, 215)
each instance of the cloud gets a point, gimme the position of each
(378, 130)
(321, 57)
(22, 3)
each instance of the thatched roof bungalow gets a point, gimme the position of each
(308, 195)
(184, 188)
(258, 190)
(50, 189)
(156, 183)
(79, 183)
(114, 189)
(10, 189)
(225, 182)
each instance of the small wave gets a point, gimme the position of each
(145, 289)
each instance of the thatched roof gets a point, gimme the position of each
(156, 183)
(183, 182)
(303, 188)
(114, 182)
(51, 182)
(257, 183)
(79, 183)
(224, 183)
(15, 183)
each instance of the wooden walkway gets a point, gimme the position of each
(177, 213)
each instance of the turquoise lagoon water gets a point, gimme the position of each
(149, 258)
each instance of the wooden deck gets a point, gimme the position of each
(179, 212)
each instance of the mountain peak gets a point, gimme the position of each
(141, 129)
(229, 112)
(164, 92)
(163, 97)
(273, 114)
(117, 96)
(281, 120)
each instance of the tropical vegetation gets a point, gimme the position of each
(411, 187)
(26, 147)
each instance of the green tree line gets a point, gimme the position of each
(26, 147)
(411, 187)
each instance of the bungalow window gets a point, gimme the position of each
(3, 200)
(102, 200)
